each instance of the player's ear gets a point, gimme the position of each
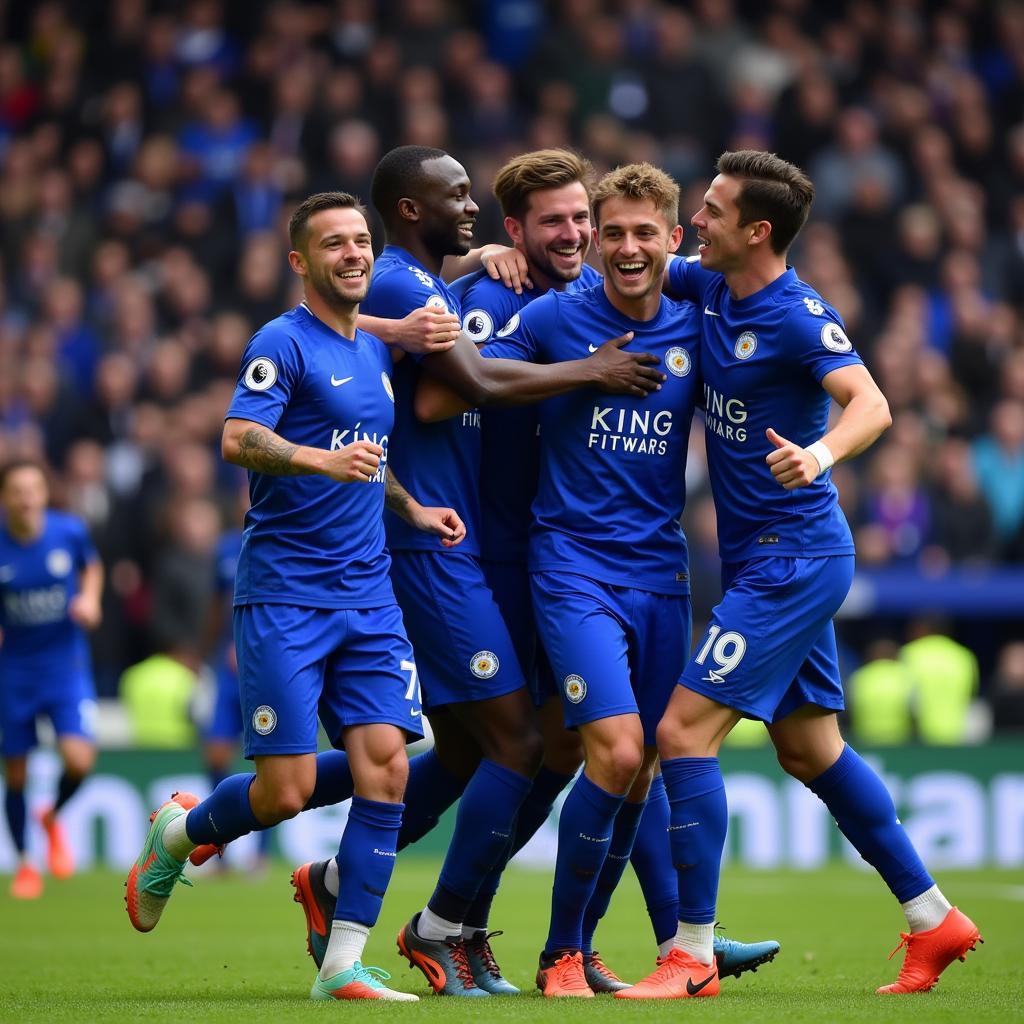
(759, 230)
(514, 230)
(408, 210)
(297, 262)
(675, 239)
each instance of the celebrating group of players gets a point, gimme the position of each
(533, 556)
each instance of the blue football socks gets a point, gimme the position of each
(366, 859)
(652, 861)
(584, 834)
(533, 812)
(698, 819)
(864, 811)
(627, 821)
(14, 807)
(225, 814)
(483, 830)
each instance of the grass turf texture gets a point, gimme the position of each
(232, 949)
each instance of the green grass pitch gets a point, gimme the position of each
(232, 949)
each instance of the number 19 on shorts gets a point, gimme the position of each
(726, 650)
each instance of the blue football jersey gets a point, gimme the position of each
(762, 360)
(308, 540)
(437, 463)
(510, 445)
(37, 582)
(612, 467)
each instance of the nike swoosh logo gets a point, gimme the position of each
(337, 383)
(710, 312)
(694, 989)
(593, 348)
(414, 712)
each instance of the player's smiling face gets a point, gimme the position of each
(447, 212)
(555, 233)
(724, 244)
(338, 257)
(634, 239)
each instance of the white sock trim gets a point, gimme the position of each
(696, 939)
(344, 948)
(430, 926)
(175, 838)
(926, 911)
(332, 880)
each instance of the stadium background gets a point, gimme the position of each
(150, 154)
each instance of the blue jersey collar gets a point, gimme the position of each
(780, 283)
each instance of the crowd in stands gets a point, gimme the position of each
(150, 153)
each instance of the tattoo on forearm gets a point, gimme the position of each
(265, 452)
(396, 497)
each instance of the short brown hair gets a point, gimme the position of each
(543, 168)
(640, 181)
(315, 204)
(771, 190)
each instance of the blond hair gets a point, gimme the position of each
(640, 181)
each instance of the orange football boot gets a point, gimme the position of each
(677, 976)
(930, 953)
(59, 859)
(27, 883)
(564, 977)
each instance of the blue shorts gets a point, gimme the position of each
(70, 704)
(614, 650)
(463, 648)
(226, 722)
(510, 585)
(350, 666)
(770, 646)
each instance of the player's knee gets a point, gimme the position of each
(284, 802)
(798, 763)
(673, 739)
(392, 777)
(564, 755)
(531, 753)
(615, 765)
(15, 775)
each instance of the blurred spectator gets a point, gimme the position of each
(157, 694)
(945, 683)
(961, 524)
(999, 463)
(880, 697)
(1006, 694)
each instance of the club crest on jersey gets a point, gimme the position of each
(509, 327)
(483, 664)
(834, 338)
(260, 374)
(386, 381)
(264, 719)
(58, 562)
(678, 361)
(746, 345)
(436, 302)
(575, 688)
(478, 325)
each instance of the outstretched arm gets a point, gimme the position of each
(422, 331)
(481, 381)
